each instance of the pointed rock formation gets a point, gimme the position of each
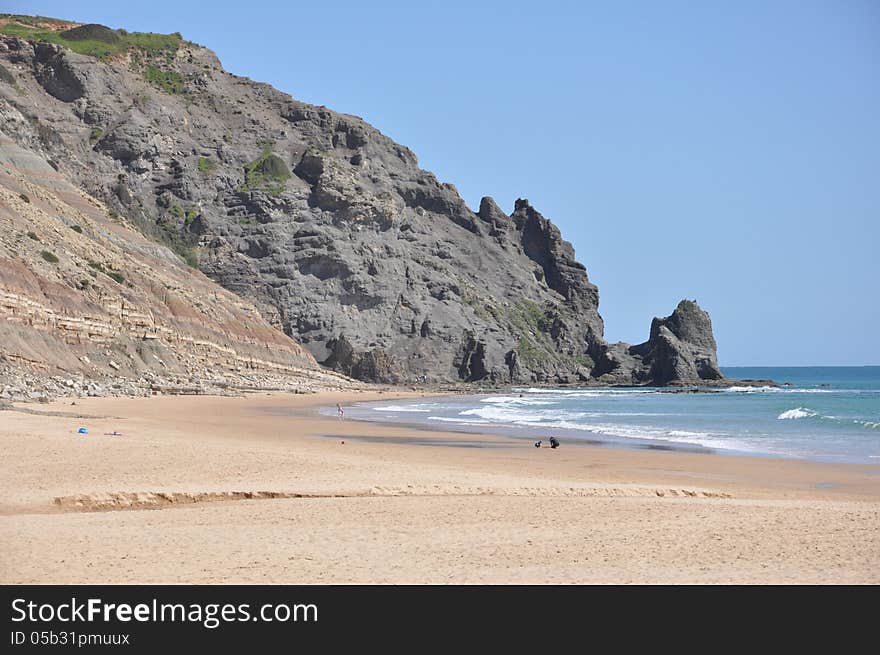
(680, 350)
(681, 347)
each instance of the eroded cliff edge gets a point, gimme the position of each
(88, 306)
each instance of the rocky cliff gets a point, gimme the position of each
(329, 227)
(89, 306)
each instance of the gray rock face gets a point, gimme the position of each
(680, 350)
(379, 269)
(60, 71)
(681, 347)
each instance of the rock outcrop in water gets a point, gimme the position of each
(681, 347)
(680, 350)
(329, 227)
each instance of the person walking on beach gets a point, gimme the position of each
(340, 412)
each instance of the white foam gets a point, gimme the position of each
(688, 434)
(510, 415)
(791, 390)
(753, 389)
(592, 392)
(797, 412)
(446, 419)
(704, 439)
(400, 408)
(512, 400)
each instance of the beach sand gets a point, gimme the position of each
(261, 489)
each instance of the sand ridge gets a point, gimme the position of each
(123, 500)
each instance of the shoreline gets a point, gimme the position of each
(394, 504)
(528, 433)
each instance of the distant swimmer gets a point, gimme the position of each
(554, 442)
(340, 412)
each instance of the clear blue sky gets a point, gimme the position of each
(723, 151)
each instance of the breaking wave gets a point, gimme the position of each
(797, 412)
(806, 412)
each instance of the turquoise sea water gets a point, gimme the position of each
(823, 413)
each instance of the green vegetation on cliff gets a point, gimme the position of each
(267, 171)
(206, 165)
(93, 40)
(170, 82)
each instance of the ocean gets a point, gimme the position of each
(823, 413)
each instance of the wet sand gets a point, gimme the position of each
(263, 489)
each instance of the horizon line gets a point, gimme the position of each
(799, 365)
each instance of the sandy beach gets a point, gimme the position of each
(262, 489)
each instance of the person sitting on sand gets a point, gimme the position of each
(554, 442)
(537, 444)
